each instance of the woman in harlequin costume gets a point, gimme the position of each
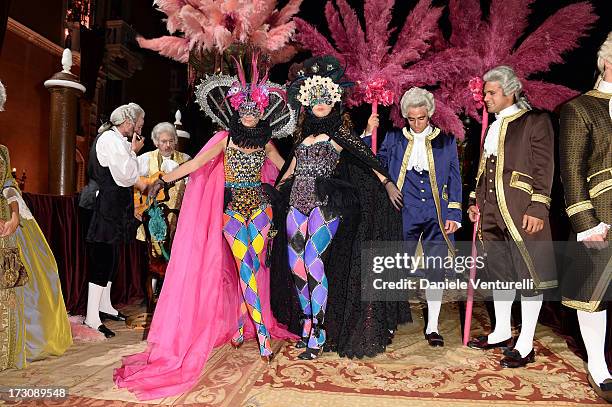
(217, 291)
(338, 196)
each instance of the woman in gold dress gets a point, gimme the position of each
(33, 319)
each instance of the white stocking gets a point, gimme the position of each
(105, 301)
(593, 330)
(94, 294)
(530, 310)
(434, 302)
(502, 302)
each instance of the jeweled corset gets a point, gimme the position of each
(318, 160)
(243, 180)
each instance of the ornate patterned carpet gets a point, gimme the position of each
(409, 374)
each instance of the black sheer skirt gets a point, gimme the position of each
(354, 328)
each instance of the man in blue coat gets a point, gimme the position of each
(423, 163)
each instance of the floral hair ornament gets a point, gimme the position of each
(222, 96)
(318, 80)
(319, 90)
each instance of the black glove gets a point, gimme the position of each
(395, 195)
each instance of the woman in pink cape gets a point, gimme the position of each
(216, 288)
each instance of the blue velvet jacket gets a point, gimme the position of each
(444, 175)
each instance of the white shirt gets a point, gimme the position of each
(492, 139)
(606, 87)
(418, 155)
(115, 152)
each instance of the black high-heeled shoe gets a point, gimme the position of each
(267, 358)
(302, 343)
(309, 354)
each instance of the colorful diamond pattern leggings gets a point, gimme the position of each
(308, 237)
(247, 238)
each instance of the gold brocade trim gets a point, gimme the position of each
(598, 94)
(501, 199)
(454, 205)
(600, 188)
(599, 172)
(445, 192)
(434, 187)
(522, 185)
(473, 194)
(579, 207)
(541, 198)
(402, 174)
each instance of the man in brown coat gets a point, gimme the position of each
(513, 196)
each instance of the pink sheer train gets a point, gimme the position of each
(199, 304)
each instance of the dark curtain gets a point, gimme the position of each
(92, 54)
(64, 224)
(4, 14)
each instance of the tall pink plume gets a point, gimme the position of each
(535, 54)
(169, 6)
(508, 19)
(558, 34)
(172, 47)
(466, 18)
(547, 96)
(419, 28)
(240, 71)
(285, 54)
(284, 15)
(278, 37)
(352, 25)
(313, 40)
(337, 30)
(262, 9)
(378, 16)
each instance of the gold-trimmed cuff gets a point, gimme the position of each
(542, 199)
(473, 195)
(454, 205)
(600, 188)
(579, 207)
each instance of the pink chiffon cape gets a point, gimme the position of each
(198, 307)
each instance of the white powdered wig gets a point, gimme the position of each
(418, 97)
(604, 53)
(2, 96)
(509, 82)
(130, 112)
(163, 127)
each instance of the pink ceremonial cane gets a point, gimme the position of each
(374, 140)
(470, 294)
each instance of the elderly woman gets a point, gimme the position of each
(32, 311)
(424, 164)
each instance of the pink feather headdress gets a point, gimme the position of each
(254, 97)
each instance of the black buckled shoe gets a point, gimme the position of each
(603, 390)
(309, 354)
(482, 342)
(118, 317)
(434, 339)
(302, 343)
(514, 359)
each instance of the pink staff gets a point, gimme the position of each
(475, 85)
(376, 93)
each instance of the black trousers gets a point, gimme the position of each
(103, 262)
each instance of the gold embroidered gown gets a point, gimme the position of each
(33, 319)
